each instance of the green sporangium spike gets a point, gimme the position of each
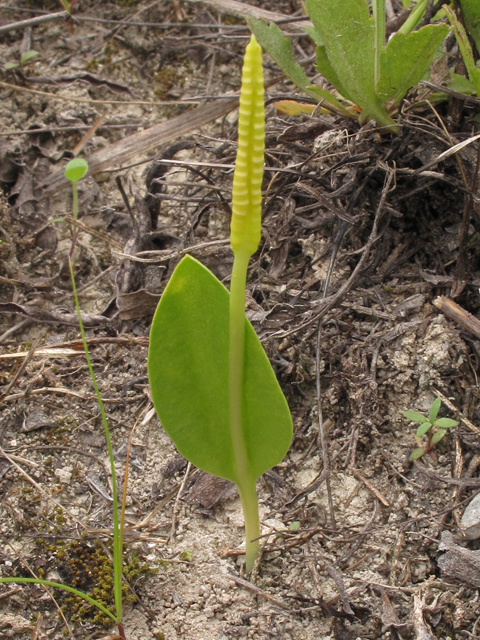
(247, 180)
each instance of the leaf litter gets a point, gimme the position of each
(385, 346)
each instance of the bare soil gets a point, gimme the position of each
(336, 195)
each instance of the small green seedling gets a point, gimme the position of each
(68, 6)
(353, 57)
(432, 427)
(212, 385)
(75, 171)
(27, 57)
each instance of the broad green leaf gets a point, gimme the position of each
(294, 526)
(348, 34)
(10, 65)
(278, 46)
(438, 435)
(417, 453)
(445, 423)
(422, 429)
(328, 72)
(188, 372)
(471, 16)
(27, 56)
(406, 59)
(414, 416)
(435, 408)
(465, 48)
(76, 169)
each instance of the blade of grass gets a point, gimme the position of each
(65, 587)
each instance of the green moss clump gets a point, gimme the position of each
(92, 65)
(88, 568)
(166, 79)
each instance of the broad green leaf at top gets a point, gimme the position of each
(188, 372)
(434, 409)
(76, 170)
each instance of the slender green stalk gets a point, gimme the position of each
(248, 497)
(75, 200)
(117, 532)
(414, 18)
(378, 7)
(59, 585)
(245, 237)
(245, 483)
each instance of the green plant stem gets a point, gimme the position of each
(414, 18)
(75, 200)
(245, 483)
(65, 587)
(379, 19)
(248, 497)
(117, 532)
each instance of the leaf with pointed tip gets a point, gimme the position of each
(188, 372)
(414, 416)
(422, 429)
(416, 454)
(445, 423)
(27, 56)
(434, 409)
(438, 435)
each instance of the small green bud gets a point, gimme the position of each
(76, 169)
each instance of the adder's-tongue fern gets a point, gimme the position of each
(244, 237)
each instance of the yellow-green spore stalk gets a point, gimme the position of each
(245, 237)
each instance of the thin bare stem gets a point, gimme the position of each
(117, 537)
